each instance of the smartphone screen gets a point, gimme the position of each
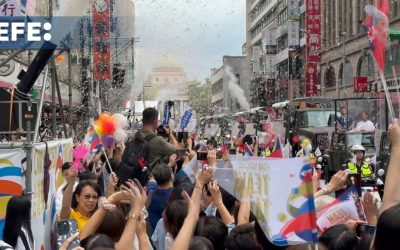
(66, 229)
(181, 152)
(364, 230)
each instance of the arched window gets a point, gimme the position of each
(330, 77)
(366, 67)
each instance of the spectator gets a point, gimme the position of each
(388, 229)
(338, 237)
(162, 174)
(81, 203)
(242, 238)
(67, 171)
(17, 230)
(159, 148)
(213, 229)
(200, 243)
(365, 125)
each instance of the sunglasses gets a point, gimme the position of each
(88, 197)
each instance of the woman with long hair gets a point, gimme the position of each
(17, 228)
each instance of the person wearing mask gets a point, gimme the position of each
(360, 166)
(365, 125)
(17, 230)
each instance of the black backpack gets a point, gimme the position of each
(135, 163)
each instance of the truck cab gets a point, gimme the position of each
(308, 118)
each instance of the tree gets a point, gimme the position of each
(200, 97)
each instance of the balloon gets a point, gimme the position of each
(107, 141)
(120, 121)
(120, 135)
(107, 124)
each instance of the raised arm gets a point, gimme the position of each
(392, 183)
(97, 218)
(185, 234)
(67, 196)
(138, 198)
(217, 198)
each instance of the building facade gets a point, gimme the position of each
(275, 49)
(345, 50)
(168, 82)
(234, 70)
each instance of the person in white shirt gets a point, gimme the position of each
(365, 125)
(67, 171)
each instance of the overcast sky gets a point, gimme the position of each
(196, 32)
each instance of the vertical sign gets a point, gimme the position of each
(101, 40)
(313, 46)
(293, 10)
(294, 34)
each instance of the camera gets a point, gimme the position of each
(161, 131)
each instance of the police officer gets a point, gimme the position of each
(360, 166)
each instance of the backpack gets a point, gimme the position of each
(134, 163)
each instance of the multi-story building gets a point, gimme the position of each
(234, 70)
(345, 49)
(275, 49)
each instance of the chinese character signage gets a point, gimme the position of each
(294, 64)
(313, 46)
(360, 84)
(101, 37)
(10, 8)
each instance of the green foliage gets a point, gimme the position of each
(200, 98)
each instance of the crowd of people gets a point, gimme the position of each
(170, 200)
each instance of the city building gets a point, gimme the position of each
(345, 50)
(275, 51)
(234, 70)
(168, 82)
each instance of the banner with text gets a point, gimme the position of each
(280, 193)
(43, 212)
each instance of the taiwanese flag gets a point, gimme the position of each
(376, 26)
(278, 150)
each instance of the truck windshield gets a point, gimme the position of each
(365, 139)
(316, 118)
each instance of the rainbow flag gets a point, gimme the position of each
(10, 180)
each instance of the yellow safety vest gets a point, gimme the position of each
(269, 152)
(366, 171)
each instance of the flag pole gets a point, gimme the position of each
(387, 95)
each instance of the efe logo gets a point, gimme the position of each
(11, 31)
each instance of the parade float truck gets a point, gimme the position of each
(355, 132)
(307, 118)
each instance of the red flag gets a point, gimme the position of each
(376, 26)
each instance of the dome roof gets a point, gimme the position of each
(167, 63)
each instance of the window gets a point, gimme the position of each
(330, 77)
(366, 67)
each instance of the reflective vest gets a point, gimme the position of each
(268, 152)
(366, 171)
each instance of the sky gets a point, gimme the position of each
(197, 33)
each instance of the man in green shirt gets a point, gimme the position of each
(159, 148)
